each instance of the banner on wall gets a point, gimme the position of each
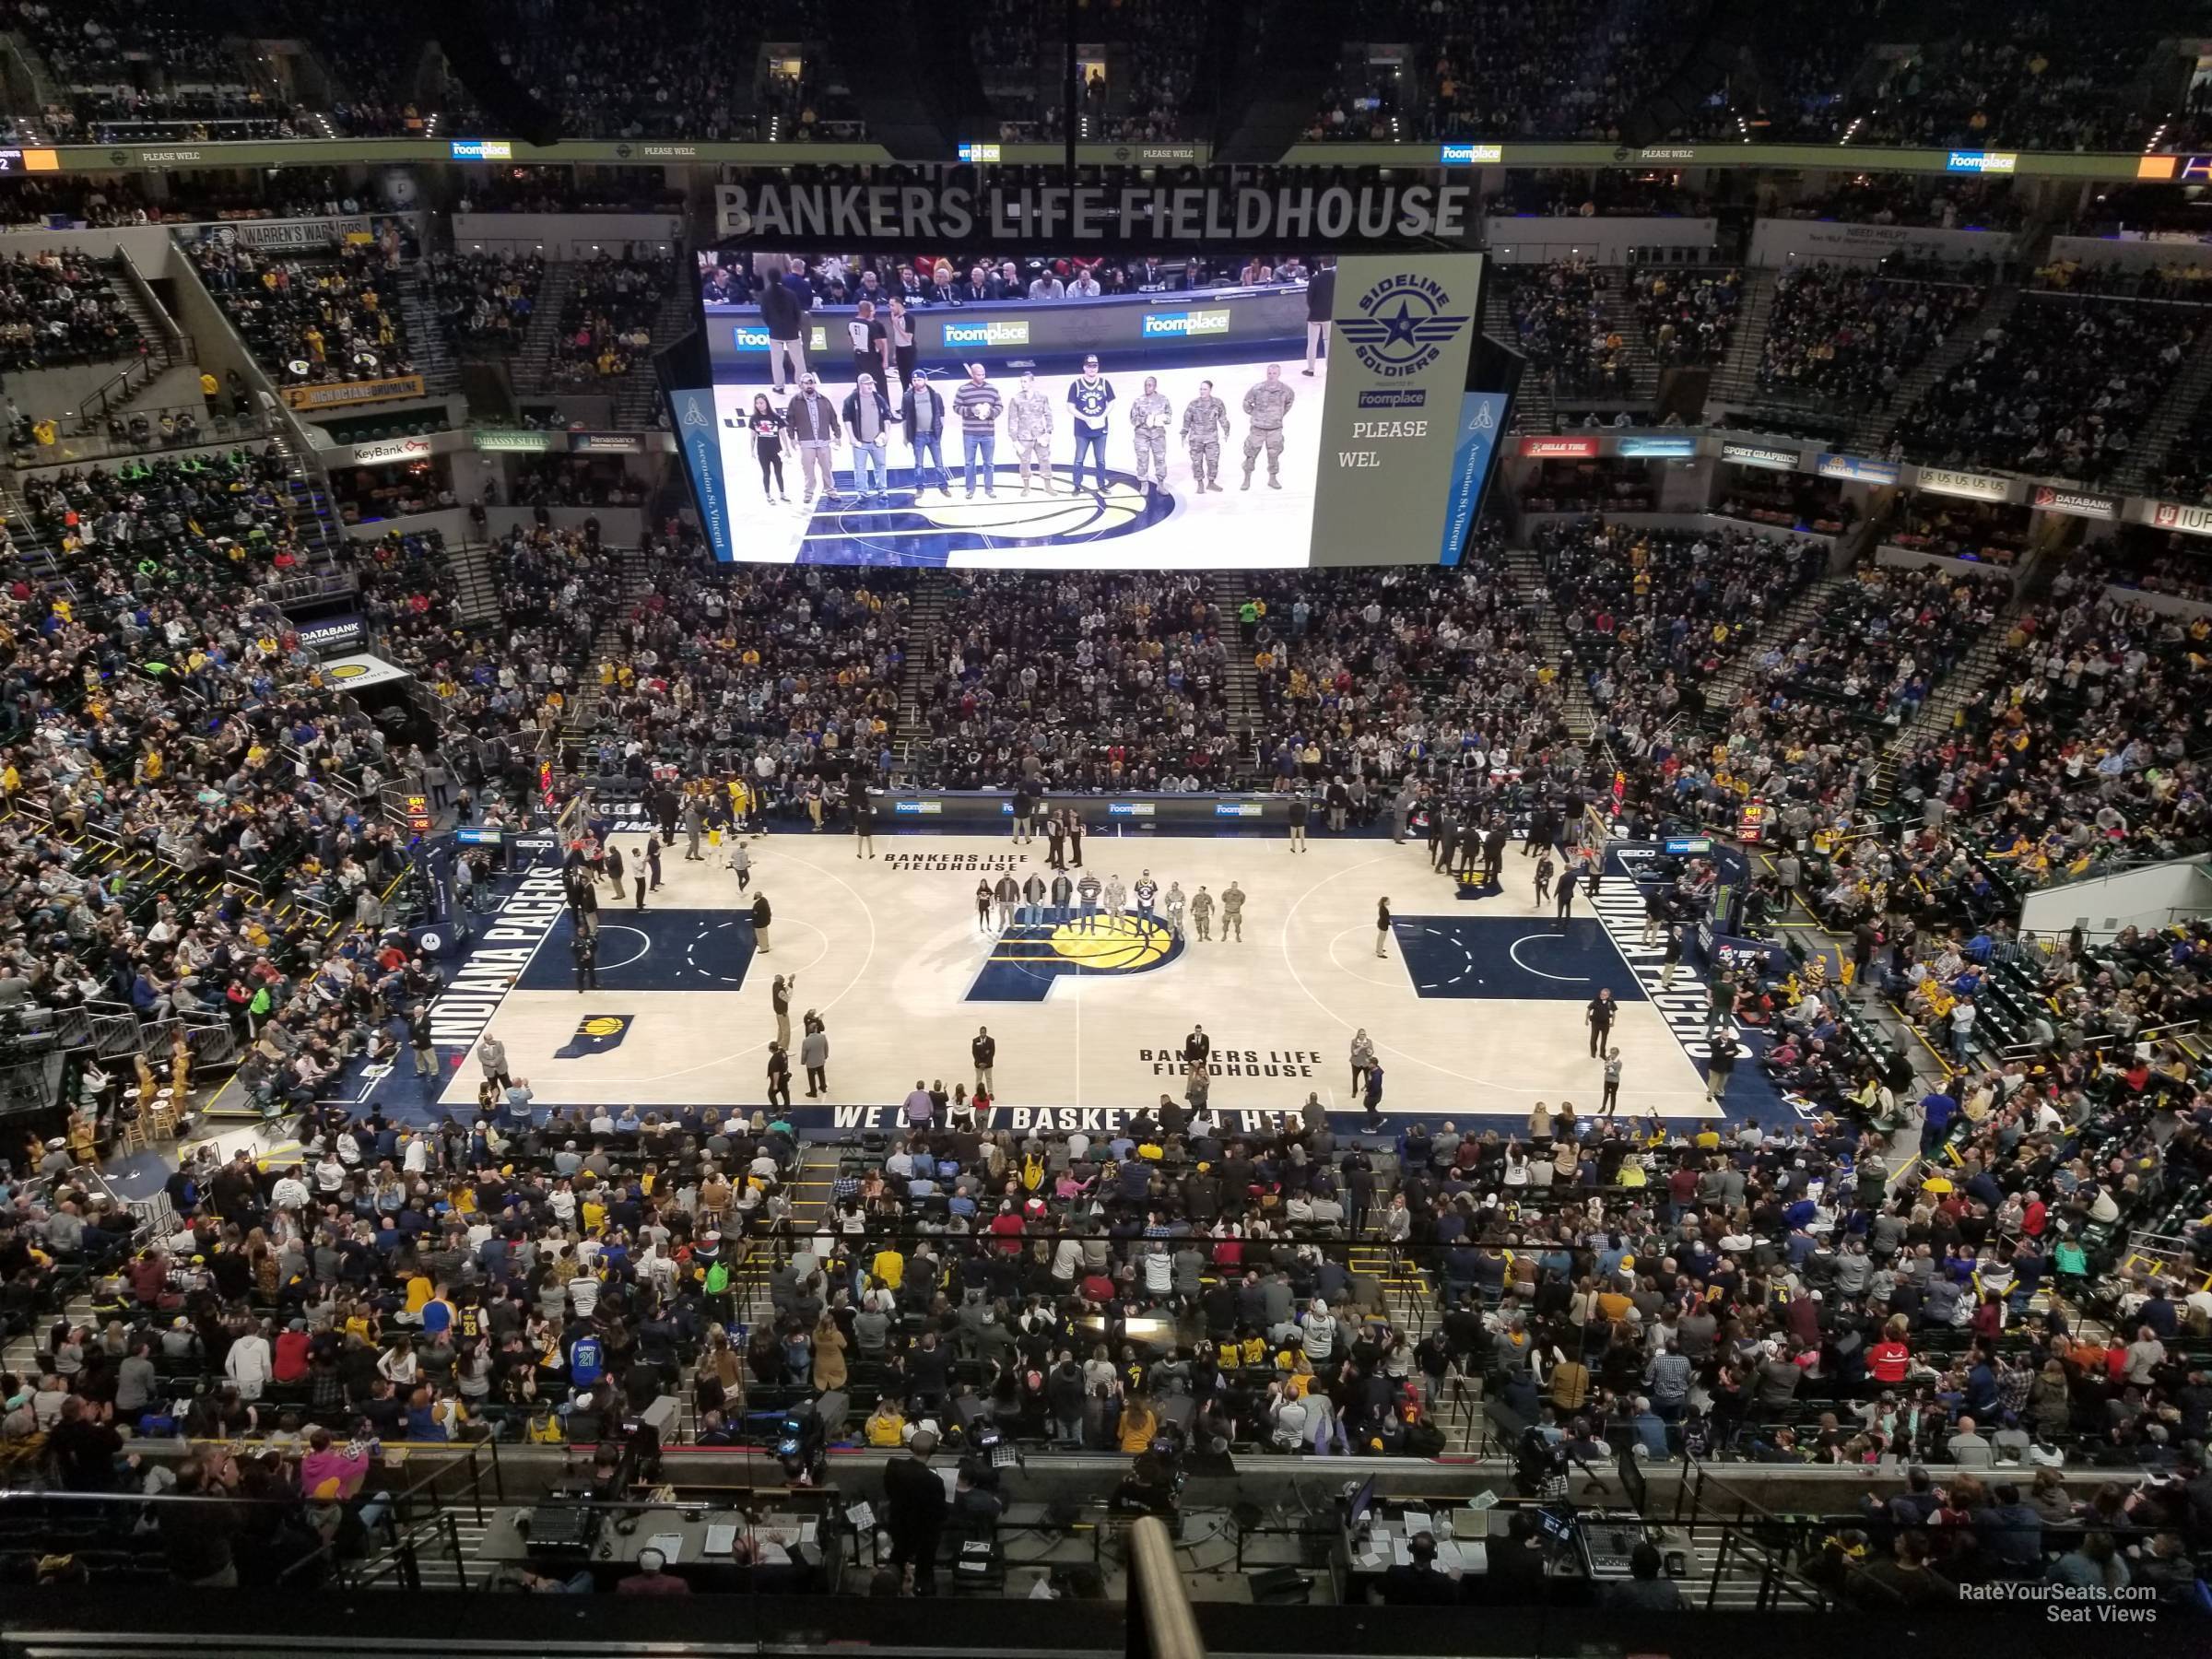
(1657, 448)
(1760, 456)
(694, 411)
(342, 395)
(388, 450)
(1972, 487)
(1559, 449)
(1859, 469)
(1374, 213)
(2077, 503)
(2180, 517)
(495, 442)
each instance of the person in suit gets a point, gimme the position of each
(914, 1506)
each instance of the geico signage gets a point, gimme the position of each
(2177, 515)
(1001, 332)
(753, 336)
(1178, 325)
(1974, 486)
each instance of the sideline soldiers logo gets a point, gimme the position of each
(1401, 326)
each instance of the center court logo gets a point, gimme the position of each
(1403, 326)
(1184, 326)
(1006, 332)
(594, 1034)
(1031, 956)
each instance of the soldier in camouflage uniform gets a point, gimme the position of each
(1265, 406)
(1151, 416)
(1029, 425)
(1205, 424)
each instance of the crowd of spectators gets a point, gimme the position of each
(1372, 679)
(1850, 334)
(193, 523)
(2041, 86)
(1560, 324)
(58, 307)
(483, 300)
(2061, 387)
(1879, 646)
(606, 319)
(1689, 318)
(333, 318)
(622, 69)
(1106, 681)
(1650, 616)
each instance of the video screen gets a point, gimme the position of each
(1053, 411)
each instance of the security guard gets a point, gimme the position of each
(1265, 405)
(584, 948)
(1205, 424)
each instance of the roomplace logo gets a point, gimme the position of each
(1008, 333)
(752, 337)
(1163, 325)
(1403, 326)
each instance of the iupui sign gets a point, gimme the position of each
(1343, 214)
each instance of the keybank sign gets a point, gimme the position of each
(1007, 332)
(1183, 325)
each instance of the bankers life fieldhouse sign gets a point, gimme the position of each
(1346, 215)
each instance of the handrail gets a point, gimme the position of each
(176, 344)
(1161, 1624)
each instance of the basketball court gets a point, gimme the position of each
(1475, 1007)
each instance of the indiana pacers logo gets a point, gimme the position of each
(906, 525)
(346, 671)
(1403, 325)
(1031, 954)
(594, 1034)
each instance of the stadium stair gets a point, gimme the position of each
(1876, 425)
(427, 344)
(1534, 598)
(634, 398)
(1735, 673)
(1736, 383)
(478, 601)
(1636, 353)
(926, 617)
(2169, 418)
(1240, 680)
(534, 363)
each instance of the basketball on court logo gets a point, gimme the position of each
(1031, 954)
(1401, 326)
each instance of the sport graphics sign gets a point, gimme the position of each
(1375, 213)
